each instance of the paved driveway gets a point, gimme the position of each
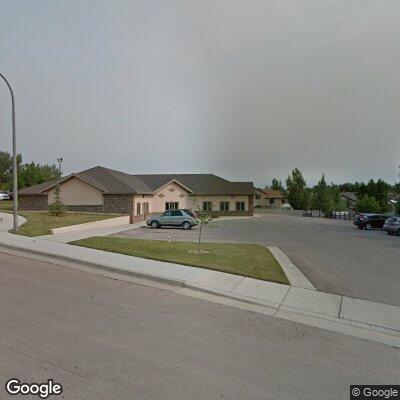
(334, 255)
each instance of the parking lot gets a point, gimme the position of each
(334, 255)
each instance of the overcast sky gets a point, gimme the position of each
(245, 89)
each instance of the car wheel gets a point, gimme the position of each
(368, 227)
(186, 225)
(389, 232)
(155, 224)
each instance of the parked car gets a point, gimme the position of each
(10, 195)
(370, 221)
(172, 218)
(190, 212)
(392, 226)
(4, 195)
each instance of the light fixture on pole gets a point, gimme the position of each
(14, 157)
(60, 160)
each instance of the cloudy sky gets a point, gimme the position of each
(245, 89)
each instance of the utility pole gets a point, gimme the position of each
(14, 158)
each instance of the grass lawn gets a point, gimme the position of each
(40, 222)
(249, 260)
(6, 205)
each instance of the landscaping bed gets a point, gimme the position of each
(249, 260)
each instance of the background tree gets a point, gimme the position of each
(32, 174)
(397, 208)
(6, 169)
(297, 194)
(367, 204)
(321, 196)
(337, 203)
(277, 185)
(382, 195)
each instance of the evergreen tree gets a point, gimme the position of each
(297, 194)
(57, 207)
(321, 199)
(277, 185)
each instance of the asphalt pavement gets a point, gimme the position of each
(334, 255)
(108, 339)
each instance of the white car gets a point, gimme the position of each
(4, 196)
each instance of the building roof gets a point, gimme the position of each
(352, 196)
(116, 182)
(272, 194)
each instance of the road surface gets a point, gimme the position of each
(103, 338)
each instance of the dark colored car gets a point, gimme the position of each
(172, 218)
(370, 221)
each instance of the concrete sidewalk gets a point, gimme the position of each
(66, 237)
(369, 320)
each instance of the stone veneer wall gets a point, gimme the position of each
(32, 202)
(86, 208)
(118, 203)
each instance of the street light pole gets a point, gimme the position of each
(14, 152)
(60, 160)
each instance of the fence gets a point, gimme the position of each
(343, 215)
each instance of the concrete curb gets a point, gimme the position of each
(295, 276)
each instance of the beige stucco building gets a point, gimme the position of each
(268, 198)
(101, 189)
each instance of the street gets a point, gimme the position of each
(334, 255)
(103, 338)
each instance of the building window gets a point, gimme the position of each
(240, 206)
(271, 201)
(145, 208)
(258, 196)
(207, 205)
(224, 206)
(171, 205)
(138, 208)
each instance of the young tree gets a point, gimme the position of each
(57, 207)
(277, 185)
(203, 218)
(296, 188)
(367, 204)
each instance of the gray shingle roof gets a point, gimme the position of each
(112, 181)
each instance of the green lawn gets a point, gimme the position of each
(249, 260)
(6, 205)
(40, 222)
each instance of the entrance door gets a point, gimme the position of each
(171, 205)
